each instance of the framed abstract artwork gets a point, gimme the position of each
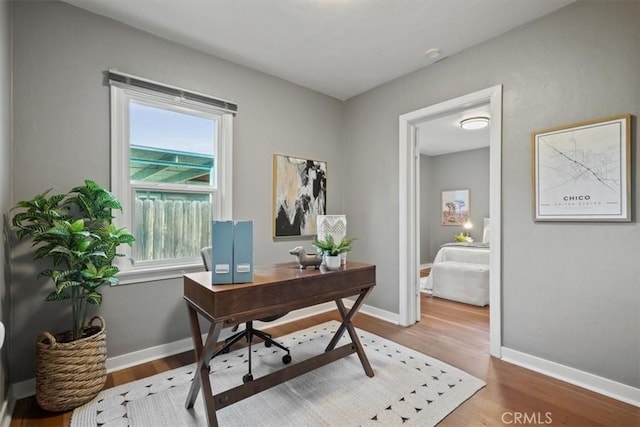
(299, 195)
(454, 207)
(581, 172)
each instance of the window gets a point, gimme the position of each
(171, 169)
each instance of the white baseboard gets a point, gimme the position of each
(123, 361)
(6, 410)
(128, 360)
(22, 389)
(28, 387)
(604, 386)
(300, 314)
(381, 314)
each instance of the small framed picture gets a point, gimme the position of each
(455, 207)
(581, 172)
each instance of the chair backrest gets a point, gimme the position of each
(207, 254)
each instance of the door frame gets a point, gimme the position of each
(409, 209)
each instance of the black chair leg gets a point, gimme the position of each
(232, 337)
(267, 339)
(249, 376)
(248, 334)
(231, 341)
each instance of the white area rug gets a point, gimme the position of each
(408, 389)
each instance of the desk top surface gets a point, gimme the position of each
(276, 288)
(276, 273)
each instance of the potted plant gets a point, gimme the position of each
(74, 232)
(461, 238)
(332, 250)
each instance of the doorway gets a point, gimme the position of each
(409, 209)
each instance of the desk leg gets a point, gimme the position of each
(201, 374)
(346, 324)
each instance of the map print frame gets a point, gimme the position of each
(581, 172)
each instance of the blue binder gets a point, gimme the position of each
(222, 248)
(243, 252)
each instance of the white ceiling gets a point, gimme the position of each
(444, 135)
(338, 47)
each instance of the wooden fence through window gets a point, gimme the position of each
(170, 229)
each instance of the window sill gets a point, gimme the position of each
(153, 274)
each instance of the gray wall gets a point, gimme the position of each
(454, 171)
(427, 201)
(61, 126)
(571, 292)
(576, 304)
(5, 179)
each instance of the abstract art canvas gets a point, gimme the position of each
(299, 195)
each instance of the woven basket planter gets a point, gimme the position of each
(69, 374)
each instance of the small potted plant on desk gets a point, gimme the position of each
(74, 232)
(332, 251)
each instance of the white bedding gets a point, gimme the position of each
(460, 272)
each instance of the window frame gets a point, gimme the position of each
(124, 189)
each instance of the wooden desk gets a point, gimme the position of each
(275, 289)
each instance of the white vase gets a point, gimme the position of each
(332, 262)
(334, 226)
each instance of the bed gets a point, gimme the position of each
(460, 272)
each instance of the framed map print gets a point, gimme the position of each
(581, 172)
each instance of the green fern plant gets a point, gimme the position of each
(330, 248)
(75, 232)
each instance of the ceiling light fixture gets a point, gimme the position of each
(432, 53)
(474, 123)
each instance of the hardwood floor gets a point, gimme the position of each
(424, 272)
(456, 334)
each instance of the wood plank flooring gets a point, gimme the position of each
(424, 272)
(456, 334)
